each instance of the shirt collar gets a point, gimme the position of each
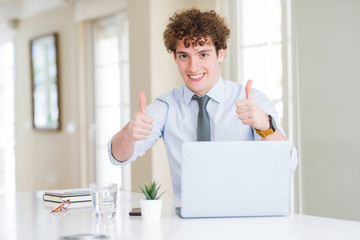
(216, 93)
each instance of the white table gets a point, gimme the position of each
(23, 216)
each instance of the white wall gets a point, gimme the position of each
(140, 77)
(329, 78)
(46, 159)
(57, 159)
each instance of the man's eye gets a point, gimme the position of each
(183, 56)
(203, 55)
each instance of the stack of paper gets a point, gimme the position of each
(79, 198)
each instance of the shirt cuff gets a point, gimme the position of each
(116, 162)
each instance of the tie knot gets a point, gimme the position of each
(202, 101)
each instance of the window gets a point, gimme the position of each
(7, 117)
(260, 49)
(111, 90)
(257, 30)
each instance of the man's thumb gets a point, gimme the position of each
(142, 102)
(248, 89)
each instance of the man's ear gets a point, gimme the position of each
(221, 55)
(174, 54)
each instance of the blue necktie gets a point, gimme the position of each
(203, 125)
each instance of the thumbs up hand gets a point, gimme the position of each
(249, 112)
(141, 125)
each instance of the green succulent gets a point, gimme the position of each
(151, 190)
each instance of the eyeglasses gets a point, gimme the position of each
(62, 206)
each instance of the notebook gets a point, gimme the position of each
(235, 179)
(75, 195)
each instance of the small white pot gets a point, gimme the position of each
(151, 210)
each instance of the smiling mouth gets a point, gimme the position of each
(197, 77)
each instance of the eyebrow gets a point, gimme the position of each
(202, 51)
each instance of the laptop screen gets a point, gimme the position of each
(229, 179)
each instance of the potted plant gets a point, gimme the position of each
(151, 205)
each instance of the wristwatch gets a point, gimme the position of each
(269, 131)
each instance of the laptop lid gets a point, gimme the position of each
(234, 179)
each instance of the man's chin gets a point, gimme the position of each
(198, 91)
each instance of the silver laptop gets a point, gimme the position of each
(235, 179)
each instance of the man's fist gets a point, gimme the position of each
(249, 112)
(141, 125)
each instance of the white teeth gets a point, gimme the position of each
(196, 76)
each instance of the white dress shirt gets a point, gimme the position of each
(175, 120)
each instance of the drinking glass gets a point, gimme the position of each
(104, 199)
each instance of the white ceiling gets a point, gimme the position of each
(19, 9)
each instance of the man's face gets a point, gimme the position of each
(199, 66)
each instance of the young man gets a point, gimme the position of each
(197, 41)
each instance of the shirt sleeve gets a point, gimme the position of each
(266, 105)
(158, 111)
(293, 159)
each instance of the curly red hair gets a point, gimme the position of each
(196, 28)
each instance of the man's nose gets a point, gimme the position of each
(193, 65)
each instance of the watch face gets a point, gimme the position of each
(272, 123)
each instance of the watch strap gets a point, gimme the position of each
(267, 132)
